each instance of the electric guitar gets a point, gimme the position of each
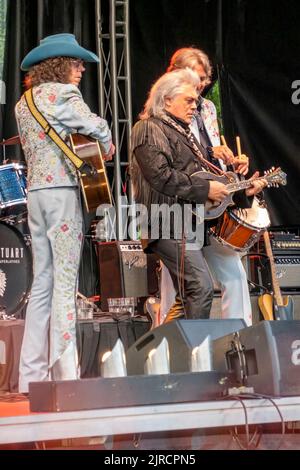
(275, 307)
(213, 210)
(152, 310)
(95, 189)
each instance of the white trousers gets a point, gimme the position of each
(49, 343)
(228, 273)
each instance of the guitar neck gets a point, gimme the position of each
(275, 283)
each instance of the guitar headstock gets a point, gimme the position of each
(275, 177)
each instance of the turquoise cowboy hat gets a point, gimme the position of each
(57, 45)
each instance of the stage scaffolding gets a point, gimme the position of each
(114, 80)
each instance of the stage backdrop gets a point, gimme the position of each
(253, 44)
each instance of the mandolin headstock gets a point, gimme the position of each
(275, 177)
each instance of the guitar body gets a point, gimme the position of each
(265, 303)
(276, 306)
(213, 210)
(271, 311)
(95, 189)
(152, 309)
(285, 311)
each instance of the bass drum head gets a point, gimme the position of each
(256, 216)
(15, 269)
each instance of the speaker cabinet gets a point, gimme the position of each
(287, 269)
(265, 356)
(182, 337)
(125, 271)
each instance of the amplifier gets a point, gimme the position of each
(284, 242)
(288, 271)
(125, 271)
(287, 268)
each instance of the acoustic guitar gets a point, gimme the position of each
(231, 180)
(275, 307)
(96, 188)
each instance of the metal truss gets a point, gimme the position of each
(114, 79)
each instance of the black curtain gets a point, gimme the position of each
(254, 45)
(157, 29)
(28, 21)
(259, 63)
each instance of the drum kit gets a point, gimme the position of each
(15, 252)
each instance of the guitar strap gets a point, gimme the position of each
(191, 138)
(54, 136)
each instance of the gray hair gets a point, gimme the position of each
(169, 86)
(189, 57)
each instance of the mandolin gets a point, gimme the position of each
(275, 307)
(95, 189)
(231, 180)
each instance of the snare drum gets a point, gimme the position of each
(15, 269)
(12, 185)
(241, 228)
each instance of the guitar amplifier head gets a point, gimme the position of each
(125, 271)
(287, 268)
(288, 271)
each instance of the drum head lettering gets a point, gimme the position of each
(15, 269)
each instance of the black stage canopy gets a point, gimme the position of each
(253, 45)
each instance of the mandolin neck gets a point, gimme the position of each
(233, 187)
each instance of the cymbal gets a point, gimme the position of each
(11, 141)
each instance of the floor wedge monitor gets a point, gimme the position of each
(265, 356)
(182, 336)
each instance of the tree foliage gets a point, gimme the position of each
(3, 8)
(214, 95)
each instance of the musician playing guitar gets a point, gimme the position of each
(165, 158)
(55, 70)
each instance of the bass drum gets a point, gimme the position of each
(241, 228)
(15, 269)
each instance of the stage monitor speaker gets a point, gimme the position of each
(125, 271)
(115, 392)
(182, 337)
(265, 356)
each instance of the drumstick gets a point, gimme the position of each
(223, 140)
(240, 156)
(238, 146)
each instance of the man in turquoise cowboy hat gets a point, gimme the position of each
(54, 71)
